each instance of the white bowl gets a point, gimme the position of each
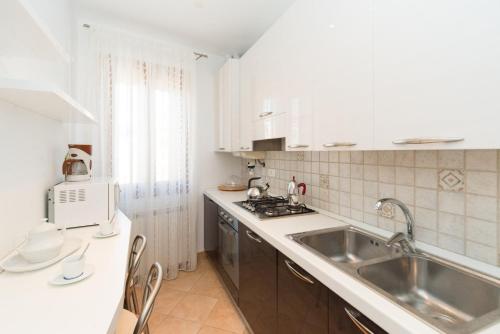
(41, 251)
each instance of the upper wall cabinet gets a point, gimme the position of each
(228, 112)
(343, 72)
(436, 74)
(246, 112)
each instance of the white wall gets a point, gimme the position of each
(32, 148)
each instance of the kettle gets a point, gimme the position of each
(258, 191)
(293, 192)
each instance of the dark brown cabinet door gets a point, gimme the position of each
(258, 286)
(302, 300)
(345, 319)
(211, 228)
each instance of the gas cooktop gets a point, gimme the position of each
(273, 207)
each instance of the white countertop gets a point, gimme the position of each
(29, 304)
(388, 315)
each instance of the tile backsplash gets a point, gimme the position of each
(453, 195)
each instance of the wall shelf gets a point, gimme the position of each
(24, 34)
(44, 99)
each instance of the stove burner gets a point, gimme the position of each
(273, 207)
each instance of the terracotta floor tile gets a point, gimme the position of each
(177, 326)
(184, 281)
(213, 330)
(155, 320)
(224, 316)
(167, 299)
(194, 307)
(209, 285)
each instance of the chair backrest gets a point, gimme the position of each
(151, 289)
(134, 260)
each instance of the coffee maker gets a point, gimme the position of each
(77, 165)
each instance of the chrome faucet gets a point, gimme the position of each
(405, 240)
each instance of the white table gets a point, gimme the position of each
(28, 304)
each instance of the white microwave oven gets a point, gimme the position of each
(76, 204)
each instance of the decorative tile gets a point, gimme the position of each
(324, 181)
(451, 180)
(387, 210)
(300, 156)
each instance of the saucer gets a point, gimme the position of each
(98, 235)
(60, 280)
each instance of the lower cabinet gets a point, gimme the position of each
(302, 300)
(345, 319)
(278, 296)
(258, 286)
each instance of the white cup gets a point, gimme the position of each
(105, 227)
(73, 266)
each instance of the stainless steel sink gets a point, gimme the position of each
(450, 298)
(346, 245)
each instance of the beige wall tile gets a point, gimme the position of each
(370, 188)
(426, 177)
(371, 219)
(451, 224)
(334, 196)
(345, 199)
(426, 218)
(334, 182)
(425, 235)
(323, 156)
(356, 171)
(333, 156)
(357, 157)
(426, 198)
(482, 183)
(451, 159)
(387, 174)
(426, 159)
(386, 190)
(386, 224)
(405, 158)
(357, 202)
(370, 157)
(357, 215)
(485, 160)
(405, 176)
(452, 202)
(323, 168)
(345, 157)
(357, 186)
(345, 184)
(406, 194)
(345, 211)
(481, 252)
(315, 156)
(370, 173)
(453, 244)
(481, 231)
(386, 158)
(345, 170)
(315, 167)
(482, 207)
(333, 169)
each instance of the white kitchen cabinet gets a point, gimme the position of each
(343, 93)
(228, 113)
(247, 94)
(270, 127)
(436, 73)
(298, 53)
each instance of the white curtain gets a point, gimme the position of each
(143, 93)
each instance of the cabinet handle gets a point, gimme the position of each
(244, 148)
(298, 146)
(296, 273)
(222, 149)
(264, 114)
(253, 237)
(353, 315)
(340, 144)
(429, 140)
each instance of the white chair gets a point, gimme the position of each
(129, 322)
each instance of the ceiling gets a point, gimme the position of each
(226, 27)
